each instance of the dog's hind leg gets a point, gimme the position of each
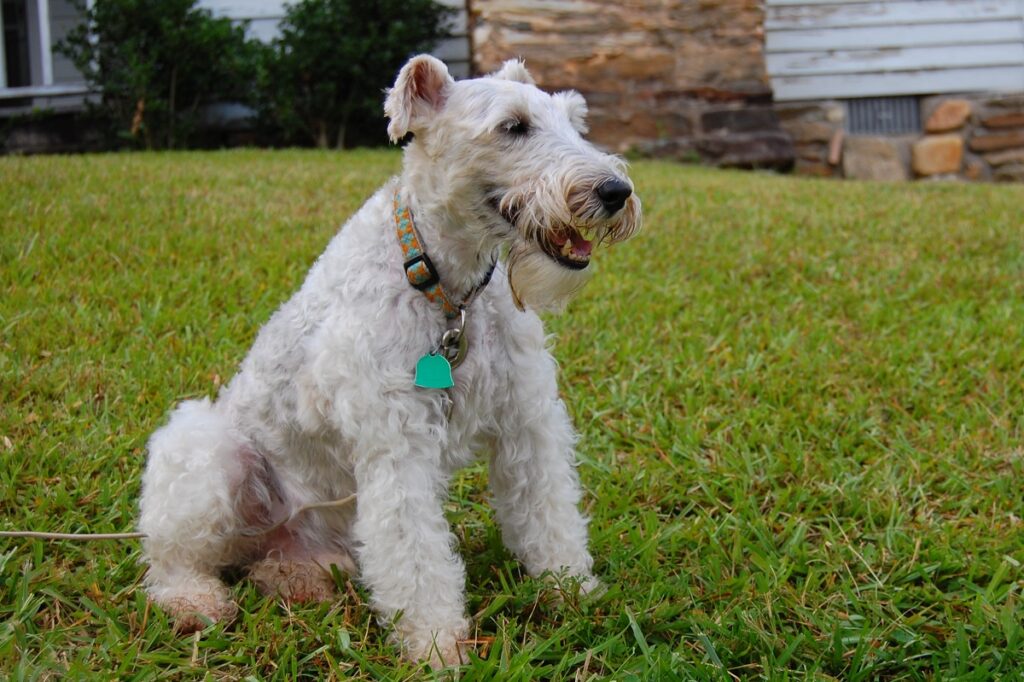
(189, 514)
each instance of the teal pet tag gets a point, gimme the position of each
(433, 371)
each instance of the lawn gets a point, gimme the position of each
(801, 405)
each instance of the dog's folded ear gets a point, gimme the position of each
(420, 92)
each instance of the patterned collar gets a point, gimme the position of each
(420, 270)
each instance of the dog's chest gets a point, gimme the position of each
(500, 354)
(480, 382)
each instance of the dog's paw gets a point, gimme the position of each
(196, 612)
(293, 581)
(591, 586)
(443, 649)
(448, 657)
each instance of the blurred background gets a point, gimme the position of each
(886, 90)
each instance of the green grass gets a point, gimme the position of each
(801, 402)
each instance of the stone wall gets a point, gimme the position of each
(970, 137)
(684, 79)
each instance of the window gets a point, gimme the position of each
(29, 66)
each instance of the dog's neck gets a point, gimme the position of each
(460, 246)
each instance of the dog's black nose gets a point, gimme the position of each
(613, 194)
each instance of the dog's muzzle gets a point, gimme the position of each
(607, 211)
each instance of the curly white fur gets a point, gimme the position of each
(324, 404)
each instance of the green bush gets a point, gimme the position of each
(327, 70)
(155, 63)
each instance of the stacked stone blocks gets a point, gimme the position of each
(676, 79)
(967, 137)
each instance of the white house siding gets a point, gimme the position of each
(63, 18)
(264, 15)
(818, 49)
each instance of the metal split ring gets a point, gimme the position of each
(454, 342)
(454, 345)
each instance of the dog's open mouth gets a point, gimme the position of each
(567, 247)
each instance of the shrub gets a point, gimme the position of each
(333, 59)
(155, 63)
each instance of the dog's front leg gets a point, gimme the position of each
(406, 549)
(536, 491)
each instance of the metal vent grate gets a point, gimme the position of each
(883, 116)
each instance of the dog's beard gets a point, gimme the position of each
(540, 283)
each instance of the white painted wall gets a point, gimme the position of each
(817, 49)
(63, 18)
(264, 15)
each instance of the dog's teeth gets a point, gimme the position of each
(567, 248)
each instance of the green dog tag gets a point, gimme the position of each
(433, 371)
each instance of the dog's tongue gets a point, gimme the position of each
(580, 247)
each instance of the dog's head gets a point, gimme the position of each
(512, 159)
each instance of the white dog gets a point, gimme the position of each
(348, 388)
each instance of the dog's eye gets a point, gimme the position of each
(516, 127)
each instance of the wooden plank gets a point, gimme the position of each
(787, 3)
(979, 79)
(245, 9)
(275, 9)
(810, 3)
(459, 24)
(452, 50)
(57, 90)
(848, 38)
(259, 13)
(64, 17)
(264, 30)
(907, 12)
(459, 70)
(894, 59)
(63, 9)
(64, 71)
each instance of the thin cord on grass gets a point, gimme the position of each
(69, 536)
(250, 532)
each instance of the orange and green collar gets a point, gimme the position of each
(420, 270)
